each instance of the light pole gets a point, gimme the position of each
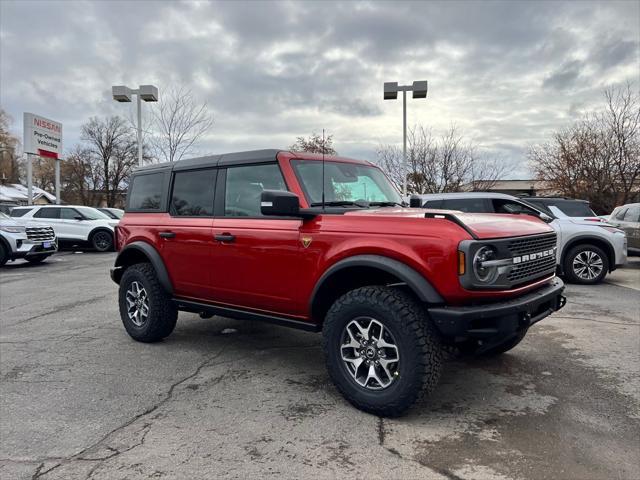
(391, 90)
(148, 93)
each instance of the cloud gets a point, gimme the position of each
(508, 73)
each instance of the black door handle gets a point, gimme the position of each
(225, 237)
(167, 234)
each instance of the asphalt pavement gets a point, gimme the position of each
(234, 399)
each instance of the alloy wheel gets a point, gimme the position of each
(369, 353)
(137, 304)
(587, 265)
(102, 241)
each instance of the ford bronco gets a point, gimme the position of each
(327, 245)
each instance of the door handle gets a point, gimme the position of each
(225, 237)
(167, 235)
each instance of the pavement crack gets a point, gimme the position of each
(62, 308)
(80, 456)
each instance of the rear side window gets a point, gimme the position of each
(18, 212)
(146, 192)
(193, 193)
(471, 205)
(245, 185)
(53, 212)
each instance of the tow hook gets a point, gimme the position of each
(562, 301)
(526, 319)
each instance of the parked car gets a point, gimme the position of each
(74, 224)
(259, 236)
(6, 207)
(115, 213)
(34, 242)
(627, 218)
(587, 250)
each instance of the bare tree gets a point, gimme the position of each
(179, 122)
(10, 165)
(81, 177)
(314, 144)
(112, 143)
(444, 164)
(598, 157)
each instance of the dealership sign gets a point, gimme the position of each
(42, 136)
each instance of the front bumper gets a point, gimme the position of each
(501, 318)
(32, 249)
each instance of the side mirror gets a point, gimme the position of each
(415, 202)
(79, 217)
(282, 204)
(545, 218)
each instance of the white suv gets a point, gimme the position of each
(588, 248)
(34, 242)
(73, 224)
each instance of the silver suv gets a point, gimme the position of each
(588, 248)
(32, 241)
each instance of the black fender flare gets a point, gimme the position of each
(415, 281)
(133, 250)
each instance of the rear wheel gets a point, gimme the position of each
(146, 310)
(102, 241)
(381, 350)
(586, 264)
(37, 259)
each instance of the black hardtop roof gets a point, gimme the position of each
(225, 159)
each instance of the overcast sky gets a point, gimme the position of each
(507, 73)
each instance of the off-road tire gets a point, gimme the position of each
(567, 264)
(472, 349)
(37, 259)
(420, 349)
(4, 255)
(163, 314)
(99, 246)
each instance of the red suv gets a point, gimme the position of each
(328, 246)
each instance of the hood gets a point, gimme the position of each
(482, 225)
(23, 222)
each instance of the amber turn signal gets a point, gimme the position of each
(461, 262)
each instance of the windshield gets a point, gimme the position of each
(112, 212)
(3, 215)
(344, 183)
(92, 214)
(571, 208)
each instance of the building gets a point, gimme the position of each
(16, 194)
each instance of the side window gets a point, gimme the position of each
(69, 214)
(433, 204)
(244, 187)
(619, 214)
(632, 214)
(470, 205)
(508, 206)
(53, 212)
(18, 212)
(193, 192)
(146, 192)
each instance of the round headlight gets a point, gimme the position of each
(483, 273)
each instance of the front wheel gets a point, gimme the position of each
(586, 264)
(146, 310)
(381, 350)
(102, 241)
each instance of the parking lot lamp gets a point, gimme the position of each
(391, 89)
(148, 93)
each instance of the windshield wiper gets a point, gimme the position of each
(341, 203)
(386, 204)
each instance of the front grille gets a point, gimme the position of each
(525, 246)
(40, 234)
(533, 258)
